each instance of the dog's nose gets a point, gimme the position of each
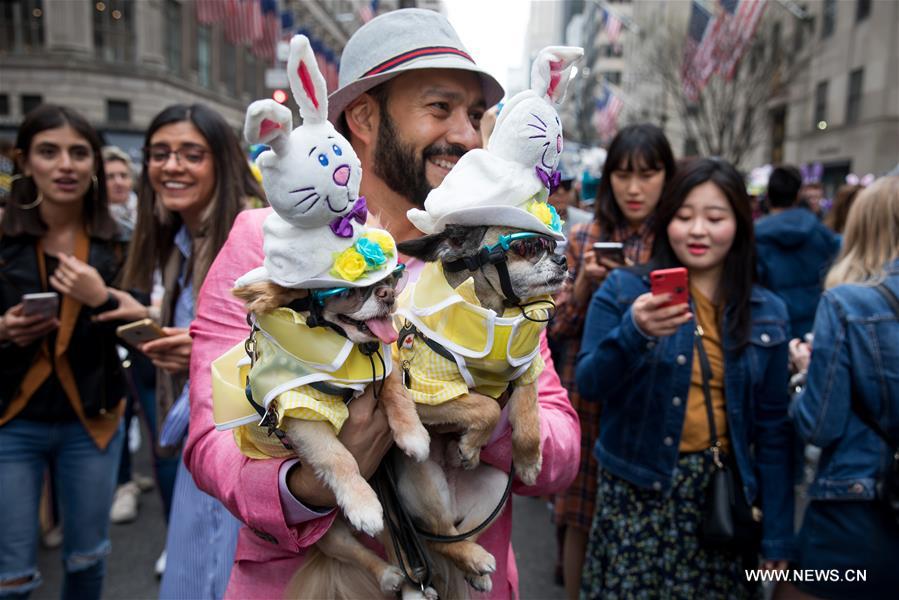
(386, 294)
(559, 259)
(341, 175)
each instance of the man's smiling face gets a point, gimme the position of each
(428, 120)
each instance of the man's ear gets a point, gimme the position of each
(362, 118)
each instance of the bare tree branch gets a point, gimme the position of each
(730, 116)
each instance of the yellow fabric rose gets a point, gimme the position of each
(383, 239)
(349, 265)
(542, 212)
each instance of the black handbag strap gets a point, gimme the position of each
(706, 369)
(860, 410)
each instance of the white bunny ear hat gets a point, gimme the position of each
(317, 236)
(509, 182)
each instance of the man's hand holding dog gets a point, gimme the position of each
(365, 434)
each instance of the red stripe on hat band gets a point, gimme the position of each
(412, 54)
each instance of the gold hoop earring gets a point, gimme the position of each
(30, 205)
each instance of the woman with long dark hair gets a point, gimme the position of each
(672, 415)
(638, 165)
(195, 181)
(61, 387)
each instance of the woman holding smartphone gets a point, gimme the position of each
(195, 181)
(670, 412)
(638, 165)
(61, 386)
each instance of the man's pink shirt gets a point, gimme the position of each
(278, 529)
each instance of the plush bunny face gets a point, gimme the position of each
(531, 134)
(311, 175)
(319, 183)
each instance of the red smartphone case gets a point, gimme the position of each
(671, 281)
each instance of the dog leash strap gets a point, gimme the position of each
(440, 349)
(411, 553)
(447, 539)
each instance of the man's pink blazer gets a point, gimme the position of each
(269, 549)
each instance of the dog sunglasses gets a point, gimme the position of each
(319, 296)
(525, 244)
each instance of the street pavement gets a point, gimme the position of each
(136, 546)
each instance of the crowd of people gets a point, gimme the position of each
(789, 340)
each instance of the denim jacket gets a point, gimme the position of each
(856, 349)
(644, 382)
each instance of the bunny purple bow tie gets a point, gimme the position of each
(551, 181)
(343, 226)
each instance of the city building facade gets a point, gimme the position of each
(119, 62)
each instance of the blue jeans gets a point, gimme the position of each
(85, 479)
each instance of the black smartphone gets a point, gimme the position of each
(613, 251)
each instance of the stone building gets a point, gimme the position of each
(119, 62)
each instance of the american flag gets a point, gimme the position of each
(612, 26)
(605, 115)
(692, 69)
(211, 11)
(741, 27)
(266, 46)
(368, 10)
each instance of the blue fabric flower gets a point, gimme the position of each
(371, 251)
(556, 223)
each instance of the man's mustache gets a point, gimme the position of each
(444, 150)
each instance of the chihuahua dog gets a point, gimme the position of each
(363, 315)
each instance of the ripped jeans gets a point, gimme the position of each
(85, 480)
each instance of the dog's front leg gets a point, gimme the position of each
(340, 543)
(428, 497)
(317, 446)
(408, 432)
(524, 417)
(475, 413)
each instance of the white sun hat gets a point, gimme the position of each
(399, 41)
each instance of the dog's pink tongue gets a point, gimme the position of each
(383, 328)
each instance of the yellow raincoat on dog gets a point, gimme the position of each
(289, 358)
(489, 351)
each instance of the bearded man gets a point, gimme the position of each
(410, 101)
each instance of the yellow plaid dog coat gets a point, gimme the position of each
(488, 351)
(289, 358)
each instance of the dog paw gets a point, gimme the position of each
(469, 458)
(415, 443)
(529, 472)
(479, 561)
(431, 594)
(482, 583)
(365, 516)
(391, 580)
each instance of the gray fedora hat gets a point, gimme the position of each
(399, 41)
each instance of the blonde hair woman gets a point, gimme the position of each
(853, 379)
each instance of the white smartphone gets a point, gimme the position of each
(45, 304)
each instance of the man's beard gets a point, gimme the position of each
(400, 167)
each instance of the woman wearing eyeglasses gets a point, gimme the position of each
(195, 182)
